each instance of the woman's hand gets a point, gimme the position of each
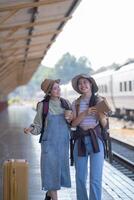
(68, 115)
(28, 130)
(92, 111)
(103, 119)
(77, 119)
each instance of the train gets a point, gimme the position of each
(117, 85)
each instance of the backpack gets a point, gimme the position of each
(45, 101)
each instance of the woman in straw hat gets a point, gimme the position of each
(88, 139)
(54, 139)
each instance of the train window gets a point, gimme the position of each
(120, 86)
(130, 85)
(125, 86)
(101, 88)
(105, 88)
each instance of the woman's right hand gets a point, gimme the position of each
(92, 111)
(27, 130)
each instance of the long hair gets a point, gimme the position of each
(47, 97)
(93, 98)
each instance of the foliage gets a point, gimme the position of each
(68, 66)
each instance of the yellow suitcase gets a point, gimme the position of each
(15, 179)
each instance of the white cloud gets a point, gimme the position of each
(101, 30)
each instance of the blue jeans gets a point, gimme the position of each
(96, 168)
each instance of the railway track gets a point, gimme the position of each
(122, 158)
(123, 165)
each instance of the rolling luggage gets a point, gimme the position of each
(15, 180)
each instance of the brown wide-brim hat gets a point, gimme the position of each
(47, 85)
(91, 80)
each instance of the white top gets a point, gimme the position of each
(89, 120)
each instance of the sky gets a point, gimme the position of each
(101, 30)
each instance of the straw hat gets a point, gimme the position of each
(91, 79)
(47, 85)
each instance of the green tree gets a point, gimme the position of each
(68, 66)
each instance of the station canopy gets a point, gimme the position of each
(28, 29)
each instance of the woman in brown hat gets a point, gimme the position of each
(50, 122)
(88, 137)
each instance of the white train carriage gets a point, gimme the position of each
(118, 87)
(104, 82)
(123, 90)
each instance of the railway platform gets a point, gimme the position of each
(122, 131)
(15, 144)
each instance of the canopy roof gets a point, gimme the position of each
(28, 28)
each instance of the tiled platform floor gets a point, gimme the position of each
(118, 131)
(15, 144)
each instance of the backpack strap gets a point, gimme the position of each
(45, 102)
(65, 104)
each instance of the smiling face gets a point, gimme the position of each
(55, 91)
(85, 86)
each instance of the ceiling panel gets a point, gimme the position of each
(27, 30)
